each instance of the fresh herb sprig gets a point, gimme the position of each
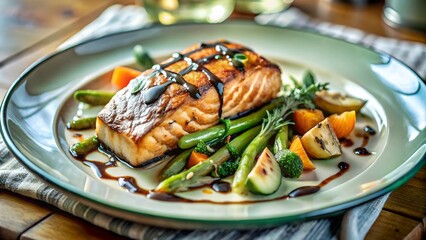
(302, 94)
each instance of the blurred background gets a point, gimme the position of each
(24, 23)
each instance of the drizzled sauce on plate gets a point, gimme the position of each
(100, 170)
(221, 186)
(366, 132)
(130, 184)
(306, 190)
(298, 192)
(346, 142)
(365, 135)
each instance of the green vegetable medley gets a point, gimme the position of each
(252, 134)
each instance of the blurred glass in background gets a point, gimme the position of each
(408, 13)
(262, 6)
(173, 11)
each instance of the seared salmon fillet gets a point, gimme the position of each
(189, 92)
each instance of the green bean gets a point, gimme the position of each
(83, 148)
(82, 123)
(142, 57)
(93, 97)
(175, 165)
(270, 126)
(196, 174)
(281, 140)
(247, 161)
(237, 125)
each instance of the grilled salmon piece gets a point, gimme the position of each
(140, 132)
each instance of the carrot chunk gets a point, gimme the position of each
(121, 76)
(196, 158)
(305, 119)
(297, 147)
(343, 124)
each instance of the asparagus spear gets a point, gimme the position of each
(236, 126)
(83, 148)
(270, 126)
(175, 165)
(281, 140)
(196, 175)
(82, 123)
(93, 97)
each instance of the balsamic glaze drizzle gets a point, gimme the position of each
(152, 94)
(100, 170)
(306, 190)
(369, 130)
(298, 192)
(346, 142)
(221, 186)
(129, 183)
(362, 150)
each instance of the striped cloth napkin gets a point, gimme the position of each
(354, 224)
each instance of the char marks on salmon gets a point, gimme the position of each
(186, 93)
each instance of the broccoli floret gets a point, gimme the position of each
(227, 168)
(202, 148)
(233, 151)
(290, 163)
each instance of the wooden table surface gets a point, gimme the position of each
(30, 29)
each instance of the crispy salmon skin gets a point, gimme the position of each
(138, 131)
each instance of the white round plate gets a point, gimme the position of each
(36, 108)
